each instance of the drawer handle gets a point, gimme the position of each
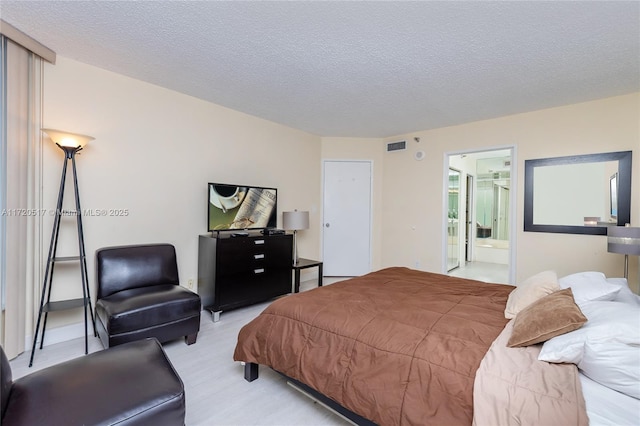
(258, 256)
(258, 241)
(258, 271)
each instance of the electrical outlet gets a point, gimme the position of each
(190, 283)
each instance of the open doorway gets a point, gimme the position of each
(486, 209)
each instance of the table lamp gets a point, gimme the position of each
(295, 221)
(624, 240)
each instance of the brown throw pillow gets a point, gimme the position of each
(550, 316)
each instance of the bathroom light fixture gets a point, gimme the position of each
(591, 220)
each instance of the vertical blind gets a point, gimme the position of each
(20, 239)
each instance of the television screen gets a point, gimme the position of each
(241, 207)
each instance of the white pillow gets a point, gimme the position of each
(607, 321)
(530, 290)
(625, 295)
(589, 286)
(613, 364)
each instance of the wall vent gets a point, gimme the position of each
(396, 146)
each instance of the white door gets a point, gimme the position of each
(347, 218)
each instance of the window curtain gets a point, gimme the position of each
(20, 183)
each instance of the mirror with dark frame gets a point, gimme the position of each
(580, 194)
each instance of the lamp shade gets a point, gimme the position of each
(623, 240)
(72, 140)
(295, 220)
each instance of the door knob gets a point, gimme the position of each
(327, 225)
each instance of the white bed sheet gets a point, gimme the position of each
(608, 407)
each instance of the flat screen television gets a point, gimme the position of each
(241, 207)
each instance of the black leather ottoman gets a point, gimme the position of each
(131, 384)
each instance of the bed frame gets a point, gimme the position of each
(251, 374)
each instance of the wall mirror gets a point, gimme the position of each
(580, 194)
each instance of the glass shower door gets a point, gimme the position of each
(501, 212)
(453, 231)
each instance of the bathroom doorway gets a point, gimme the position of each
(486, 206)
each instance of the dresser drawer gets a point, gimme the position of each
(255, 286)
(246, 254)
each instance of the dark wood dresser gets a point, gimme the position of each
(240, 271)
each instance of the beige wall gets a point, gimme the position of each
(605, 125)
(153, 154)
(156, 149)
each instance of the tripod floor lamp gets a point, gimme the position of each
(624, 240)
(295, 221)
(70, 144)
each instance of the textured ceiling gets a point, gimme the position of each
(363, 69)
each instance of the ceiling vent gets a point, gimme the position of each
(396, 146)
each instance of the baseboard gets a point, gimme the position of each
(60, 334)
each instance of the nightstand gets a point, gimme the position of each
(304, 264)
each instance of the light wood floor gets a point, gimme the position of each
(216, 391)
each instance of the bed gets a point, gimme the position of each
(406, 347)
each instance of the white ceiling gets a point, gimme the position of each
(350, 68)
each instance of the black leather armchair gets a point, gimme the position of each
(132, 384)
(139, 296)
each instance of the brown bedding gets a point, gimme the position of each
(397, 346)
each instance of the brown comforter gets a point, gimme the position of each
(397, 346)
